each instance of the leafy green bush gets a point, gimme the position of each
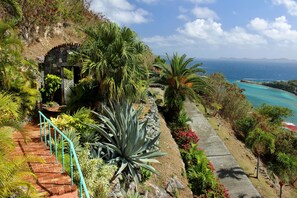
(78, 122)
(51, 84)
(275, 114)
(83, 94)
(200, 174)
(96, 173)
(245, 125)
(68, 74)
(285, 167)
(126, 142)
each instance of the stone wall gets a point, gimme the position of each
(153, 125)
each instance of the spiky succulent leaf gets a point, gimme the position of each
(126, 138)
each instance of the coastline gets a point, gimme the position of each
(264, 84)
(287, 122)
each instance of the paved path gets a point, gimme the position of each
(227, 168)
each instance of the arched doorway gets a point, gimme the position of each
(55, 62)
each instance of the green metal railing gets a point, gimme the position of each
(46, 135)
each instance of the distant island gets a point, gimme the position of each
(289, 86)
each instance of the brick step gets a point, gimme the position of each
(50, 180)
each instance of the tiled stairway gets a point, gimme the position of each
(50, 180)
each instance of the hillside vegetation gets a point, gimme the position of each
(290, 86)
(36, 18)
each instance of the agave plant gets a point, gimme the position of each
(126, 140)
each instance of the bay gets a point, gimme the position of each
(259, 70)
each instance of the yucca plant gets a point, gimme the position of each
(126, 140)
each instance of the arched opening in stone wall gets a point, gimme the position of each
(55, 62)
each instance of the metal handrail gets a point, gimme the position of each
(45, 127)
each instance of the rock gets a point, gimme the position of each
(174, 185)
(158, 192)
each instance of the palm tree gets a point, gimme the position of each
(182, 81)
(113, 56)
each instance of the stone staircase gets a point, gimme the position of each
(50, 180)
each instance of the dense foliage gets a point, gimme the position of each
(14, 170)
(52, 84)
(114, 57)
(17, 75)
(227, 99)
(200, 174)
(38, 17)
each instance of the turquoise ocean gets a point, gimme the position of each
(258, 70)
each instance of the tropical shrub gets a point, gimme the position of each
(96, 173)
(125, 143)
(14, 170)
(275, 114)
(17, 75)
(51, 84)
(230, 98)
(200, 174)
(245, 125)
(286, 142)
(68, 74)
(78, 122)
(83, 94)
(285, 167)
(185, 138)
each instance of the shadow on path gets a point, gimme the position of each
(234, 172)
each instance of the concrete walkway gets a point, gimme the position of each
(226, 167)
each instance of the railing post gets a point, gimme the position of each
(80, 188)
(56, 146)
(63, 163)
(40, 127)
(49, 137)
(45, 127)
(71, 165)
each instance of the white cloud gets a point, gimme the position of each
(239, 36)
(120, 11)
(147, 1)
(204, 13)
(258, 24)
(291, 5)
(279, 30)
(203, 1)
(211, 32)
(183, 17)
(202, 29)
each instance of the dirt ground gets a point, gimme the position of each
(245, 158)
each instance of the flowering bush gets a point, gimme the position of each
(184, 139)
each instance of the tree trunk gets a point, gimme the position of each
(258, 165)
(281, 184)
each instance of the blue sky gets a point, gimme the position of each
(210, 28)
